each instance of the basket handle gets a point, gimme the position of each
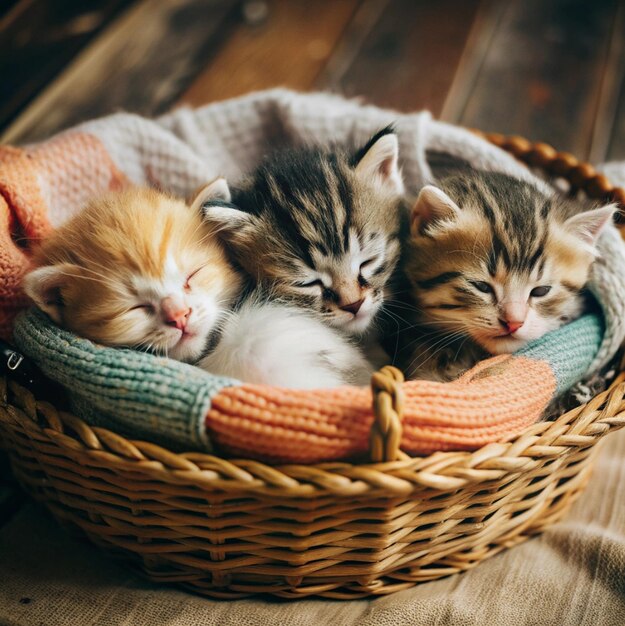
(580, 175)
(388, 408)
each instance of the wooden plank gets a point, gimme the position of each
(38, 39)
(542, 74)
(141, 62)
(408, 58)
(609, 138)
(289, 48)
(364, 21)
(483, 29)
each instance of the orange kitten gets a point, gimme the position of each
(138, 269)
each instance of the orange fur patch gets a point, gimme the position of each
(123, 235)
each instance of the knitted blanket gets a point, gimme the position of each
(150, 397)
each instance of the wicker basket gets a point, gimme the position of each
(232, 528)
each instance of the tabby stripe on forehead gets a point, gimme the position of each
(346, 199)
(315, 212)
(504, 236)
(498, 249)
(441, 279)
(320, 247)
(329, 217)
(530, 262)
(275, 192)
(289, 224)
(270, 189)
(492, 262)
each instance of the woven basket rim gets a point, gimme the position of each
(440, 472)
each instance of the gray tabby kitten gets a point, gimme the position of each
(492, 263)
(320, 228)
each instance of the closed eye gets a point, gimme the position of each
(145, 306)
(365, 263)
(313, 283)
(191, 275)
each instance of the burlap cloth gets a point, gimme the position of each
(572, 575)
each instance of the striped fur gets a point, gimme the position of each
(320, 228)
(492, 263)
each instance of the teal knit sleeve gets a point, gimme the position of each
(569, 350)
(137, 394)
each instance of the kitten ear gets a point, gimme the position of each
(43, 286)
(215, 190)
(590, 224)
(379, 161)
(213, 203)
(433, 205)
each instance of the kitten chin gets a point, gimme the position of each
(492, 263)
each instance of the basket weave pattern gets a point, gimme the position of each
(231, 528)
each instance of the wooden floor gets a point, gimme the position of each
(550, 70)
(546, 69)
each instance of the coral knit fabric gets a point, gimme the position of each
(22, 215)
(37, 186)
(285, 426)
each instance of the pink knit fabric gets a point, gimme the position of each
(489, 403)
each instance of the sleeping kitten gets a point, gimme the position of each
(320, 228)
(493, 263)
(143, 270)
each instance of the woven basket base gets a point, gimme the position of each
(231, 543)
(423, 559)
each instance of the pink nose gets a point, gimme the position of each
(511, 325)
(175, 313)
(354, 307)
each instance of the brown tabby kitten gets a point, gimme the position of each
(320, 228)
(492, 263)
